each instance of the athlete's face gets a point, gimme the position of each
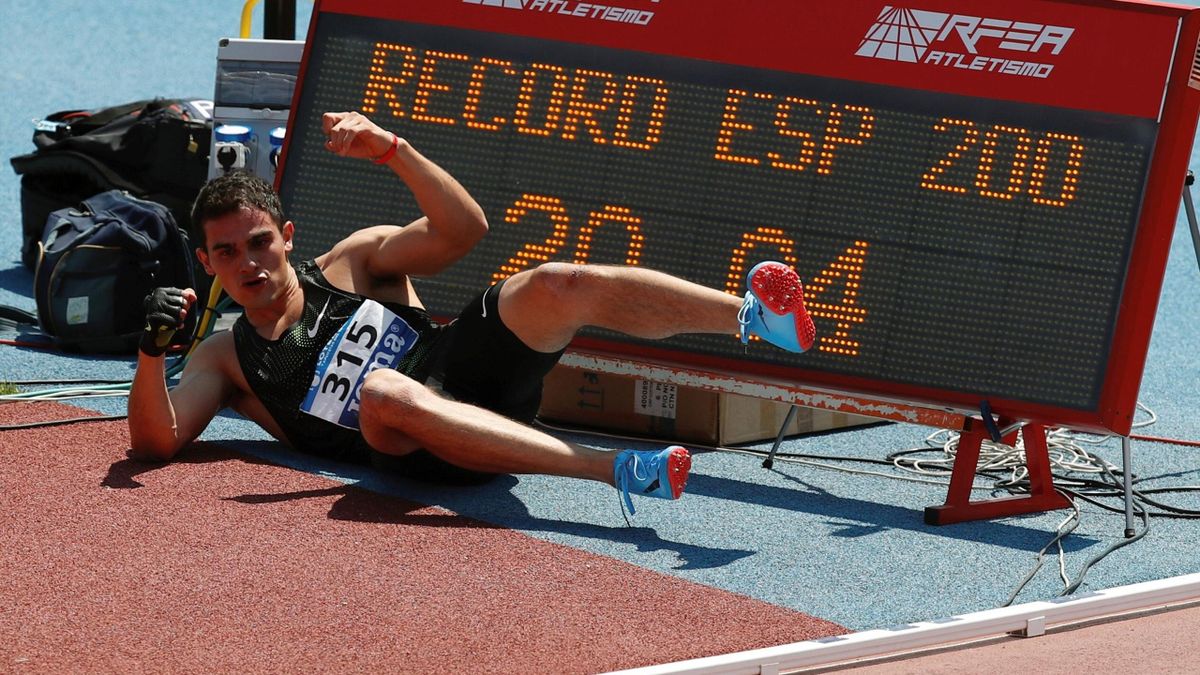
(247, 252)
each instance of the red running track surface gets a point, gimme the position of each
(222, 562)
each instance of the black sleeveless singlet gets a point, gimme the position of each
(280, 372)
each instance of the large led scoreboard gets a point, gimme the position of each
(979, 196)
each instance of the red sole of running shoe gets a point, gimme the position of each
(779, 288)
(678, 466)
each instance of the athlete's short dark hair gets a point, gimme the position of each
(229, 193)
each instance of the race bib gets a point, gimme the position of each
(373, 338)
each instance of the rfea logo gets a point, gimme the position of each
(967, 42)
(582, 10)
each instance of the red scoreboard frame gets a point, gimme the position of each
(992, 126)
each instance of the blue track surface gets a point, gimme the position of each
(849, 548)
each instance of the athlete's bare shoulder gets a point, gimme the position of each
(216, 357)
(213, 379)
(349, 266)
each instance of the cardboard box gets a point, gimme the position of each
(626, 405)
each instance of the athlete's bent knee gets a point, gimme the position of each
(385, 393)
(388, 405)
(557, 281)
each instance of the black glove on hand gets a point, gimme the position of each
(165, 311)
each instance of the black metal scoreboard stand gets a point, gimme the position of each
(979, 198)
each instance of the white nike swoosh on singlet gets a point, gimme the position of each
(483, 302)
(312, 332)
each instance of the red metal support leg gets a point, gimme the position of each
(959, 507)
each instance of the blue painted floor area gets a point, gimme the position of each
(848, 547)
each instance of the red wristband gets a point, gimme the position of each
(391, 152)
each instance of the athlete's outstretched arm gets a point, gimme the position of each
(161, 421)
(452, 223)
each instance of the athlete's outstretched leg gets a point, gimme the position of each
(399, 415)
(547, 305)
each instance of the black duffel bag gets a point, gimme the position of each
(154, 149)
(97, 261)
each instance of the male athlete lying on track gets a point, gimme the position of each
(484, 370)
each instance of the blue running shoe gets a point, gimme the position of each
(774, 308)
(654, 473)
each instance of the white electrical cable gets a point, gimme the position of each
(1063, 447)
